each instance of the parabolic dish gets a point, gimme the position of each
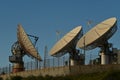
(98, 35)
(67, 43)
(26, 43)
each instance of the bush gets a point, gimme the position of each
(1, 78)
(47, 77)
(30, 78)
(40, 77)
(16, 78)
(107, 75)
(112, 75)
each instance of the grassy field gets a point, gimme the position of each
(109, 75)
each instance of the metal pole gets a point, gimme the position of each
(53, 62)
(90, 59)
(9, 68)
(37, 62)
(63, 61)
(69, 62)
(45, 56)
(31, 65)
(58, 33)
(84, 49)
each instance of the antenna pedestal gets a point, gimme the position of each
(18, 64)
(17, 58)
(77, 61)
(105, 53)
(104, 59)
(18, 67)
(73, 62)
(76, 58)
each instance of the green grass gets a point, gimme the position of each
(109, 75)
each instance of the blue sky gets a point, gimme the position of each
(43, 17)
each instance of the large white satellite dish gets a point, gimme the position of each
(67, 44)
(98, 37)
(26, 43)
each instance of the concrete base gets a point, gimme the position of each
(18, 67)
(104, 59)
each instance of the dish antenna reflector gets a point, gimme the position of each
(68, 44)
(98, 37)
(26, 43)
(20, 48)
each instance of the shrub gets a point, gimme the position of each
(40, 77)
(47, 77)
(16, 78)
(30, 78)
(112, 75)
(1, 78)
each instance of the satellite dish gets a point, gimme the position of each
(98, 37)
(20, 48)
(67, 44)
(26, 43)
